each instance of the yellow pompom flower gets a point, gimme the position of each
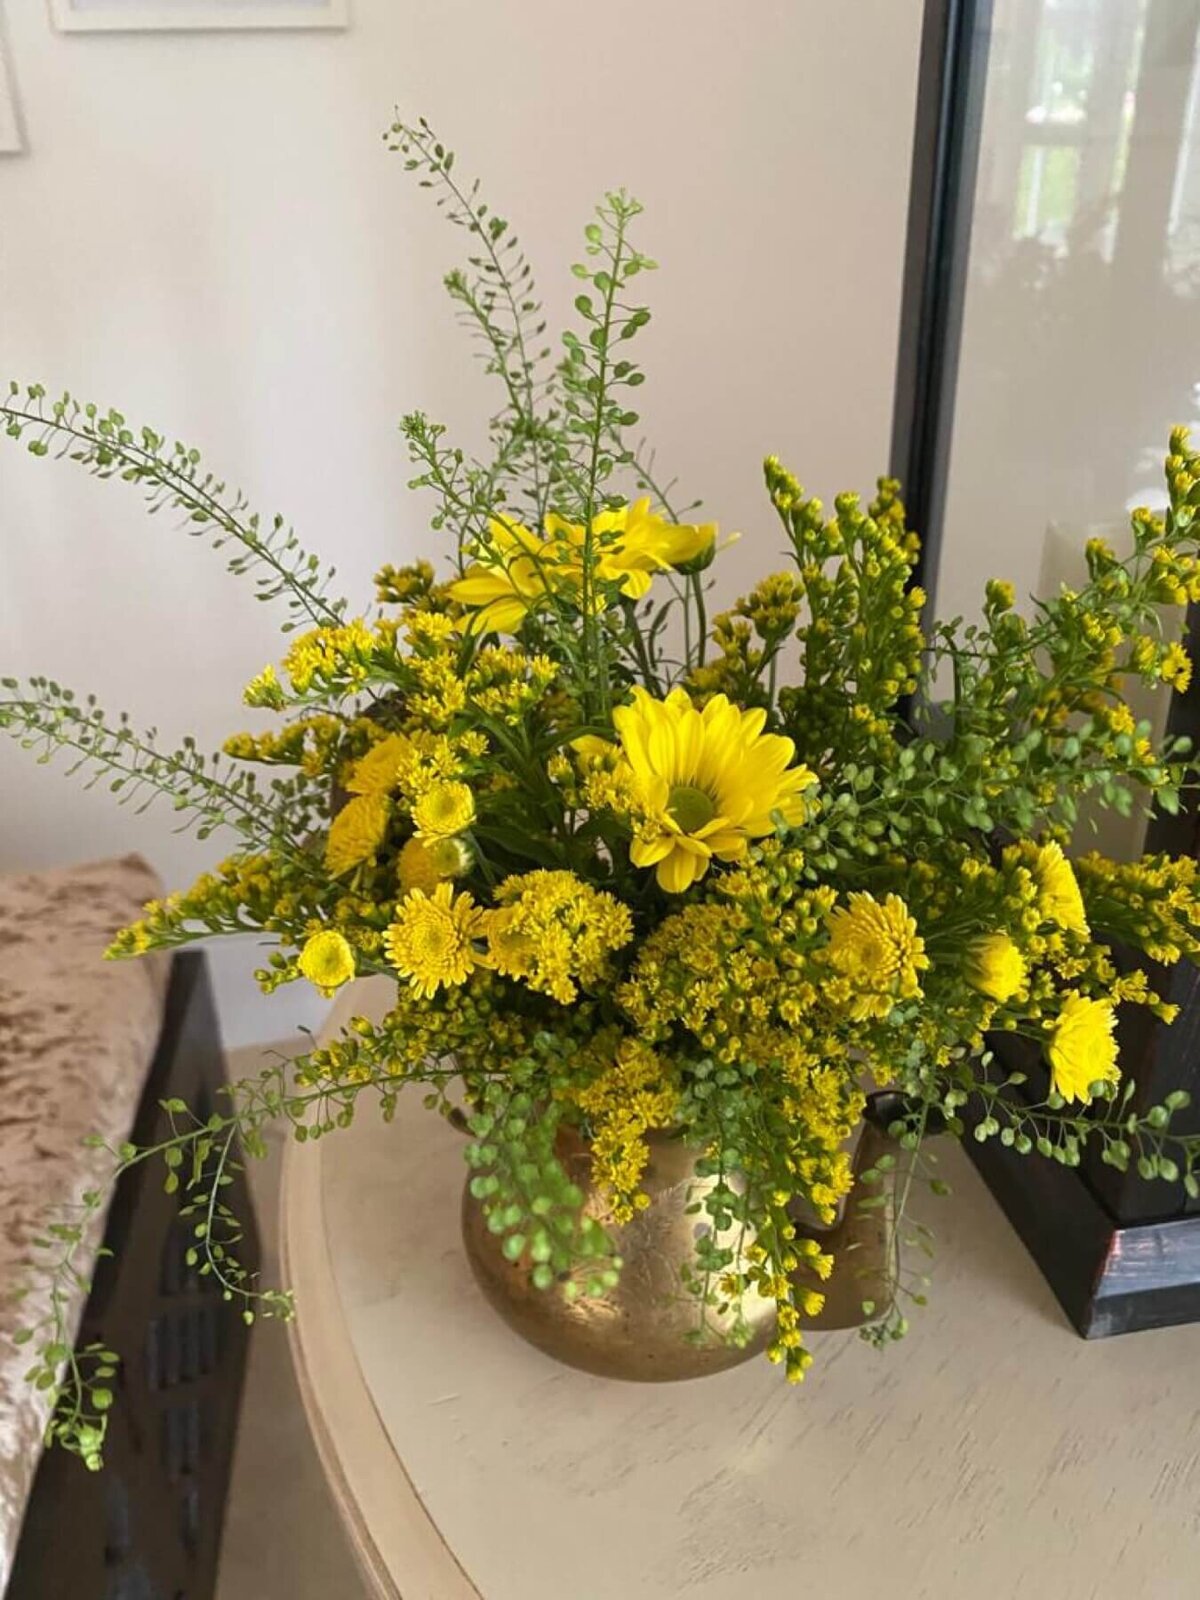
(431, 942)
(424, 864)
(706, 782)
(996, 967)
(356, 833)
(327, 961)
(877, 949)
(1082, 1049)
(443, 810)
(377, 772)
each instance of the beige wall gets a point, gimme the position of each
(206, 232)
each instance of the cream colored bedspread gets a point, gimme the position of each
(77, 1035)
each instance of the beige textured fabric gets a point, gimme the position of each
(77, 1035)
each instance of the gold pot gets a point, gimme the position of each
(646, 1327)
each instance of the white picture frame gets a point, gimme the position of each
(156, 16)
(12, 141)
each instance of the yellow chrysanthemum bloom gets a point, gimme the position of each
(1176, 667)
(707, 782)
(996, 967)
(327, 960)
(443, 810)
(431, 942)
(356, 833)
(877, 949)
(518, 573)
(1059, 899)
(1082, 1049)
(377, 771)
(423, 864)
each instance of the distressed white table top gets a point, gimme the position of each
(992, 1454)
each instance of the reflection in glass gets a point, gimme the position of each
(1081, 334)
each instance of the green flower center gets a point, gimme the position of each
(691, 808)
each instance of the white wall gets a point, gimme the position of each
(207, 232)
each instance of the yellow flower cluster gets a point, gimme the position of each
(243, 892)
(861, 642)
(713, 942)
(403, 586)
(331, 658)
(555, 933)
(508, 684)
(1153, 904)
(317, 744)
(635, 1092)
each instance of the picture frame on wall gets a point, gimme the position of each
(11, 141)
(154, 16)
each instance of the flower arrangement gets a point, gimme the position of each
(632, 869)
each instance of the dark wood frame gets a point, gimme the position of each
(952, 75)
(1120, 1253)
(149, 1526)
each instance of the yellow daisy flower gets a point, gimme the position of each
(431, 941)
(1082, 1049)
(327, 961)
(707, 782)
(517, 574)
(356, 833)
(875, 945)
(633, 543)
(444, 809)
(996, 967)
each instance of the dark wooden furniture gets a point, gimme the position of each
(1119, 1252)
(148, 1527)
(1122, 1253)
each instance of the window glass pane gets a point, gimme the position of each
(1081, 333)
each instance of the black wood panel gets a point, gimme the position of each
(148, 1527)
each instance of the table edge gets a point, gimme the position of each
(399, 1548)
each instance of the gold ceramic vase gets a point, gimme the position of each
(643, 1329)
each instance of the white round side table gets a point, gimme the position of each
(992, 1454)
